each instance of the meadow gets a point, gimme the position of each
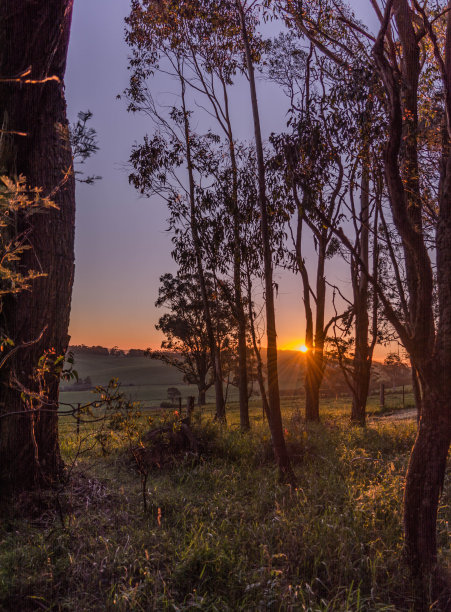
(147, 380)
(220, 532)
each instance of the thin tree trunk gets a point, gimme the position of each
(416, 386)
(315, 356)
(362, 360)
(214, 348)
(239, 307)
(275, 421)
(313, 379)
(35, 36)
(258, 357)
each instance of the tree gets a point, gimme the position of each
(411, 57)
(151, 37)
(426, 341)
(396, 368)
(247, 15)
(187, 344)
(83, 140)
(358, 91)
(35, 144)
(310, 161)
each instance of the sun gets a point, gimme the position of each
(303, 348)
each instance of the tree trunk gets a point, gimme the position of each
(424, 484)
(214, 348)
(315, 355)
(361, 372)
(362, 357)
(275, 420)
(313, 379)
(237, 263)
(239, 307)
(258, 357)
(416, 386)
(35, 36)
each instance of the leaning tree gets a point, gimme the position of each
(34, 142)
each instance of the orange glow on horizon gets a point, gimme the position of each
(295, 345)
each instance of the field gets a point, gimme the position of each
(220, 533)
(147, 380)
(142, 379)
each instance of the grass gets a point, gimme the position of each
(220, 532)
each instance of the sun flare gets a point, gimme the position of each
(303, 348)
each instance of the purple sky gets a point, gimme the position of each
(121, 244)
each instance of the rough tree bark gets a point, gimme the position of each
(429, 346)
(34, 141)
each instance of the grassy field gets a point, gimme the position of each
(220, 533)
(147, 380)
(143, 379)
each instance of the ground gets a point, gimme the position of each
(220, 532)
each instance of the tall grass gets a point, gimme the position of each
(220, 532)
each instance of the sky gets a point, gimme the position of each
(121, 244)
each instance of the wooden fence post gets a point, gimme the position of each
(382, 396)
(78, 420)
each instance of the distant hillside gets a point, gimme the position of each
(147, 380)
(142, 378)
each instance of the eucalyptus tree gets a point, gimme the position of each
(212, 55)
(310, 160)
(35, 144)
(314, 173)
(209, 42)
(160, 32)
(221, 235)
(348, 99)
(186, 346)
(355, 93)
(159, 160)
(412, 52)
(249, 14)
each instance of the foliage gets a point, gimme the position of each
(83, 140)
(186, 346)
(17, 199)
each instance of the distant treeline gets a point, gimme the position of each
(102, 350)
(292, 367)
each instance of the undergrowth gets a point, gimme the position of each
(220, 532)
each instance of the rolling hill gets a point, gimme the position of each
(147, 380)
